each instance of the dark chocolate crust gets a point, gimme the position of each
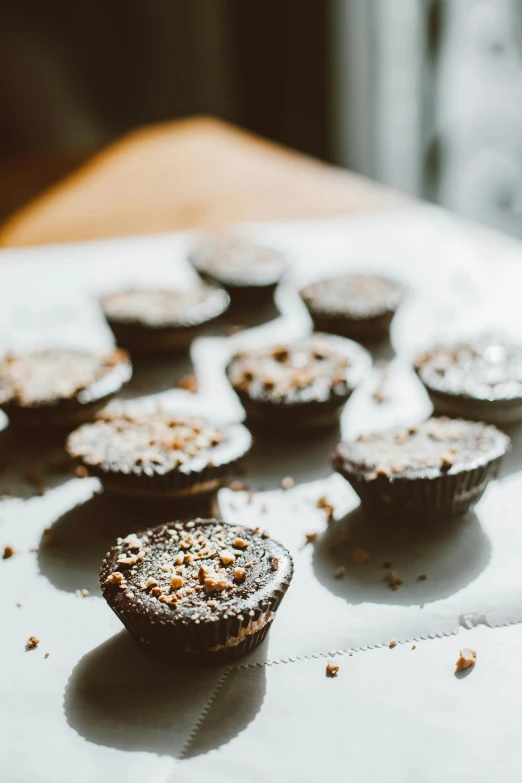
(439, 468)
(481, 380)
(358, 306)
(157, 321)
(158, 456)
(243, 268)
(302, 385)
(199, 592)
(60, 388)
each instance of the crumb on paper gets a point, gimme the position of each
(311, 537)
(47, 655)
(392, 644)
(288, 482)
(237, 486)
(81, 471)
(19, 605)
(265, 534)
(32, 643)
(422, 577)
(393, 581)
(189, 383)
(468, 658)
(414, 647)
(331, 669)
(360, 555)
(84, 592)
(8, 552)
(339, 573)
(239, 574)
(380, 396)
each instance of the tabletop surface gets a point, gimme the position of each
(188, 174)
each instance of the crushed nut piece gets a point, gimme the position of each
(8, 552)
(414, 647)
(360, 555)
(84, 592)
(176, 581)
(150, 582)
(422, 577)
(32, 643)
(393, 581)
(392, 644)
(47, 655)
(265, 534)
(288, 482)
(240, 574)
(189, 383)
(311, 537)
(81, 471)
(468, 658)
(274, 565)
(331, 669)
(240, 543)
(214, 582)
(116, 578)
(226, 557)
(339, 573)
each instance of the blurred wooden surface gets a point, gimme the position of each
(186, 174)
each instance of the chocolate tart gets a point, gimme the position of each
(60, 388)
(357, 306)
(196, 593)
(299, 386)
(249, 272)
(438, 469)
(159, 321)
(164, 461)
(480, 380)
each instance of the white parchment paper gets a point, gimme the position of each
(96, 708)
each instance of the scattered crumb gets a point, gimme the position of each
(47, 537)
(81, 471)
(393, 581)
(19, 605)
(331, 669)
(237, 486)
(8, 552)
(422, 577)
(189, 383)
(288, 482)
(265, 534)
(380, 396)
(239, 574)
(311, 537)
(339, 573)
(468, 658)
(83, 592)
(414, 647)
(360, 555)
(351, 655)
(32, 643)
(47, 655)
(392, 644)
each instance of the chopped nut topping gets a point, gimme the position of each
(274, 565)
(226, 556)
(151, 582)
(8, 552)
(240, 574)
(468, 658)
(265, 534)
(339, 573)
(331, 669)
(32, 643)
(360, 556)
(392, 644)
(177, 581)
(179, 558)
(240, 543)
(116, 578)
(288, 482)
(214, 582)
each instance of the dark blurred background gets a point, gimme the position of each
(423, 95)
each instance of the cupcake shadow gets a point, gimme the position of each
(305, 458)
(32, 462)
(71, 551)
(512, 462)
(118, 697)
(433, 563)
(157, 373)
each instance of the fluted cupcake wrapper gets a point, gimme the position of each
(447, 495)
(293, 417)
(189, 642)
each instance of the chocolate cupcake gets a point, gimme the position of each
(159, 321)
(196, 593)
(357, 306)
(60, 388)
(247, 271)
(300, 386)
(438, 469)
(166, 461)
(480, 380)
